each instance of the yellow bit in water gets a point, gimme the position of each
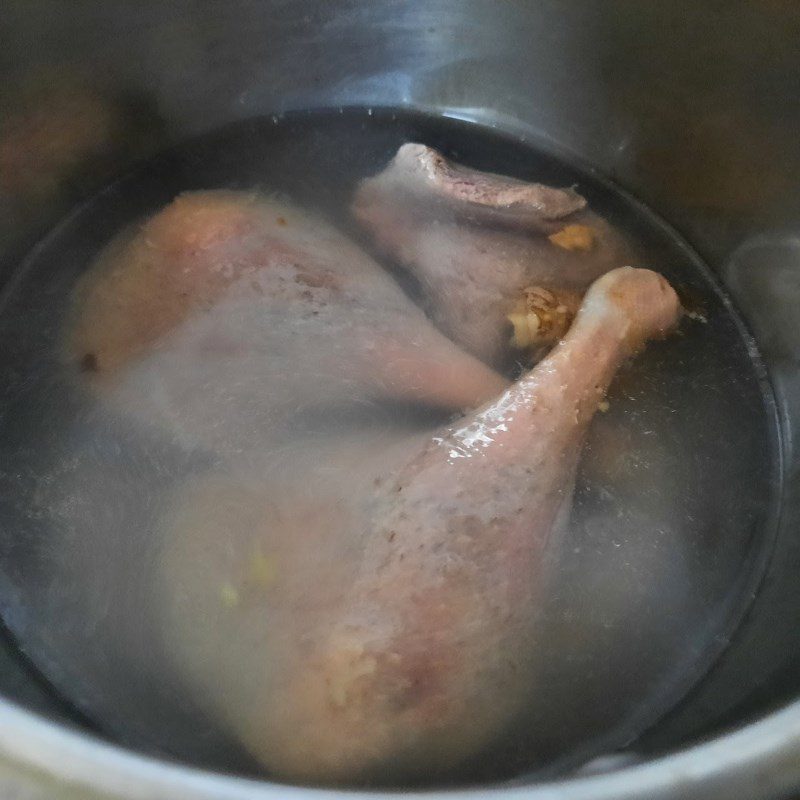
(262, 569)
(574, 237)
(603, 406)
(229, 596)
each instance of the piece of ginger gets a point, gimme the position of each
(574, 238)
(541, 316)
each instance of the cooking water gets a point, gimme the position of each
(673, 511)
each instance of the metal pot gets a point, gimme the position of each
(692, 107)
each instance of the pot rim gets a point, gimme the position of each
(759, 760)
